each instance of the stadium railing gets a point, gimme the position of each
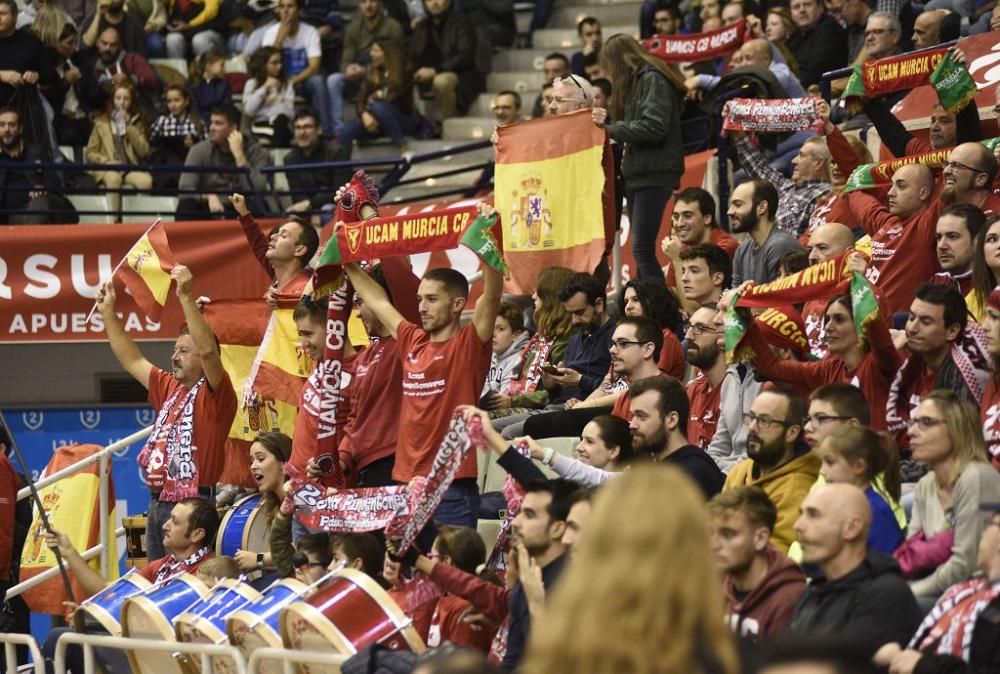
(11, 642)
(206, 652)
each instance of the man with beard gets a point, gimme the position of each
(196, 403)
(108, 65)
(692, 223)
(956, 232)
(861, 596)
(112, 13)
(703, 352)
(761, 584)
(967, 178)
(825, 242)
(30, 191)
(778, 459)
(752, 211)
(660, 410)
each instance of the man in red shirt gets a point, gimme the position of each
(826, 241)
(704, 391)
(989, 410)
(444, 365)
(761, 584)
(706, 270)
(692, 223)
(967, 178)
(196, 404)
(956, 231)
(285, 254)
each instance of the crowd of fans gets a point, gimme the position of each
(851, 478)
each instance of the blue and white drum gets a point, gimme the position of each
(258, 624)
(204, 622)
(105, 607)
(243, 527)
(151, 616)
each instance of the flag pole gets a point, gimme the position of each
(121, 262)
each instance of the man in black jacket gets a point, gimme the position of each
(28, 196)
(861, 595)
(311, 187)
(961, 634)
(819, 43)
(443, 54)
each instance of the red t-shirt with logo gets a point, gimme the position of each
(719, 238)
(213, 417)
(990, 413)
(8, 504)
(437, 377)
(704, 404)
(304, 445)
(376, 401)
(834, 207)
(672, 359)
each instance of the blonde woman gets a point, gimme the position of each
(945, 433)
(119, 136)
(642, 594)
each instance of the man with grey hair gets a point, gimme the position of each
(882, 35)
(570, 93)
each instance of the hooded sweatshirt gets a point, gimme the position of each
(736, 393)
(786, 486)
(871, 605)
(766, 610)
(503, 367)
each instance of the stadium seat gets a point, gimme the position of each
(167, 68)
(99, 204)
(236, 64)
(147, 208)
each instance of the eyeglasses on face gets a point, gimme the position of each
(953, 165)
(697, 329)
(621, 344)
(765, 422)
(925, 423)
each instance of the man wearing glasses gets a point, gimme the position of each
(569, 94)
(704, 391)
(778, 458)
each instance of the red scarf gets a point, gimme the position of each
(949, 627)
(175, 567)
(168, 457)
(529, 382)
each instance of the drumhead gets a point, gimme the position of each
(243, 527)
(104, 610)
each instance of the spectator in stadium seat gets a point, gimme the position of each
(543, 102)
(554, 66)
(703, 353)
(311, 187)
(174, 133)
(927, 28)
(945, 130)
(23, 61)
(759, 53)
(569, 94)
(202, 193)
(990, 407)
(112, 13)
(506, 107)
(957, 230)
(385, 101)
(660, 409)
(443, 58)
(509, 339)
(825, 242)
(778, 27)
(819, 43)
(33, 194)
(57, 32)
(706, 270)
(967, 178)
(778, 459)
(959, 635)
(588, 29)
(945, 432)
(666, 21)
(108, 65)
(645, 297)
(209, 87)
(302, 49)
(761, 584)
(692, 223)
(753, 208)
(369, 25)
(855, 15)
(799, 194)
(269, 97)
(191, 28)
(861, 595)
(120, 136)
(882, 36)
(646, 107)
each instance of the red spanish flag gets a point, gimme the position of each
(145, 270)
(555, 195)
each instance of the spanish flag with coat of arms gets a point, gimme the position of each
(554, 190)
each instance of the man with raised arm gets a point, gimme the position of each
(196, 404)
(444, 365)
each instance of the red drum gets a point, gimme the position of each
(351, 613)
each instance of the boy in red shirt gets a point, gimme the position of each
(444, 365)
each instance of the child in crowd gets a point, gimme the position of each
(208, 82)
(173, 134)
(120, 136)
(217, 569)
(509, 338)
(857, 455)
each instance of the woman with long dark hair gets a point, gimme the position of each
(269, 97)
(646, 102)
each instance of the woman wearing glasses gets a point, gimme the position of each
(946, 522)
(646, 100)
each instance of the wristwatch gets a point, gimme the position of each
(260, 560)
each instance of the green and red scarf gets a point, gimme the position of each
(937, 67)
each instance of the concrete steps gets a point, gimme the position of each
(516, 80)
(468, 128)
(618, 14)
(565, 39)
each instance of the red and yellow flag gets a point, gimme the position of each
(145, 271)
(555, 193)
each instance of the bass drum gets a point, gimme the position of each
(243, 527)
(151, 616)
(105, 607)
(350, 613)
(258, 624)
(204, 622)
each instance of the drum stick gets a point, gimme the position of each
(41, 509)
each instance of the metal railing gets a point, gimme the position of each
(91, 641)
(103, 457)
(288, 657)
(11, 642)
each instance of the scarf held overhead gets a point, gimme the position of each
(879, 174)
(367, 509)
(698, 47)
(771, 115)
(954, 85)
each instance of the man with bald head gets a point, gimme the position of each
(967, 178)
(756, 53)
(825, 242)
(861, 595)
(906, 226)
(927, 28)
